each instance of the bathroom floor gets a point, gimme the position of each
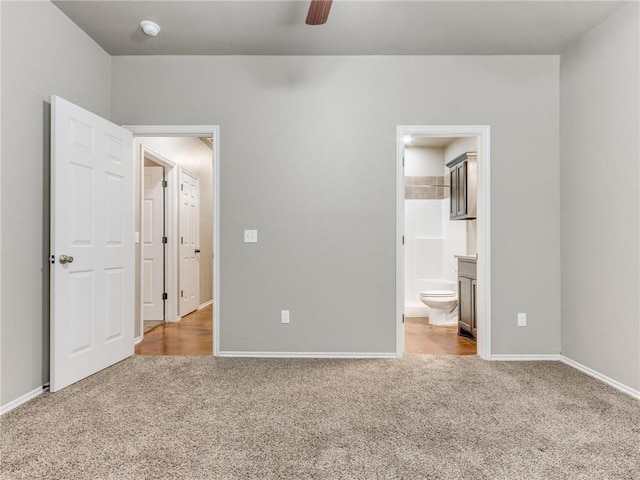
(422, 338)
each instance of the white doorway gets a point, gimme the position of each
(175, 173)
(189, 267)
(483, 299)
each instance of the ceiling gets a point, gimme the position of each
(355, 27)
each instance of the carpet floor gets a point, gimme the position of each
(421, 417)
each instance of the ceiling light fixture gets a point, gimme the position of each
(150, 28)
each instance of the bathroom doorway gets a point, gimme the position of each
(443, 255)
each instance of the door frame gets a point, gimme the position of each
(212, 131)
(170, 270)
(483, 132)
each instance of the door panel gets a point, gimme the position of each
(92, 304)
(152, 246)
(189, 266)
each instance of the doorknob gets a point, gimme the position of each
(197, 250)
(65, 259)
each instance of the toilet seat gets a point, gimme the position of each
(438, 293)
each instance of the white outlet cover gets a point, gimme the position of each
(251, 236)
(522, 319)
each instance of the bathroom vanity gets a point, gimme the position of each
(467, 276)
(462, 186)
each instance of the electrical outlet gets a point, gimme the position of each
(284, 316)
(250, 236)
(522, 319)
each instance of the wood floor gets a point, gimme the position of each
(193, 335)
(420, 337)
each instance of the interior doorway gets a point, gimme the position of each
(180, 274)
(443, 263)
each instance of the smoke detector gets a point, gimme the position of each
(150, 28)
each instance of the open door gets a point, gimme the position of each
(189, 267)
(153, 243)
(92, 277)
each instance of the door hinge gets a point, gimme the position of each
(164, 184)
(403, 161)
(403, 239)
(181, 187)
(403, 318)
(182, 293)
(181, 240)
(165, 296)
(164, 239)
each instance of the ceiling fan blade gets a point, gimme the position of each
(318, 12)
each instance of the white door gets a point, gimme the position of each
(189, 265)
(152, 245)
(92, 303)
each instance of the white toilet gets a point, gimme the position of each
(443, 306)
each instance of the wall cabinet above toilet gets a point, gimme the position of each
(463, 186)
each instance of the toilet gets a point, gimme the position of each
(443, 306)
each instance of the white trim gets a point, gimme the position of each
(205, 304)
(138, 340)
(599, 376)
(212, 131)
(2, 226)
(483, 132)
(556, 357)
(171, 261)
(307, 354)
(540, 357)
(36, 392)
(399, 242)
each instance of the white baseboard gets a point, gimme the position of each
(572, 363)
(36, 392)
(603, 378)
(538, 357)
(137, 340)
(205, 304)
(308, 354)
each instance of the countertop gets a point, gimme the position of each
(468, 257)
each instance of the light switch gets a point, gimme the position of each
(136, 237)
(250, 236)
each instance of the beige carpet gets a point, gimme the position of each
(417, 418)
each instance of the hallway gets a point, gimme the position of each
(193, 335)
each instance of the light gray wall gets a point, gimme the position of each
(43, 53)
(600, 148)
(308, 158)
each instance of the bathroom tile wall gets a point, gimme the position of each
(424, 188)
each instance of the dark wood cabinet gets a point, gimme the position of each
(462, 186)
(467, 319)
